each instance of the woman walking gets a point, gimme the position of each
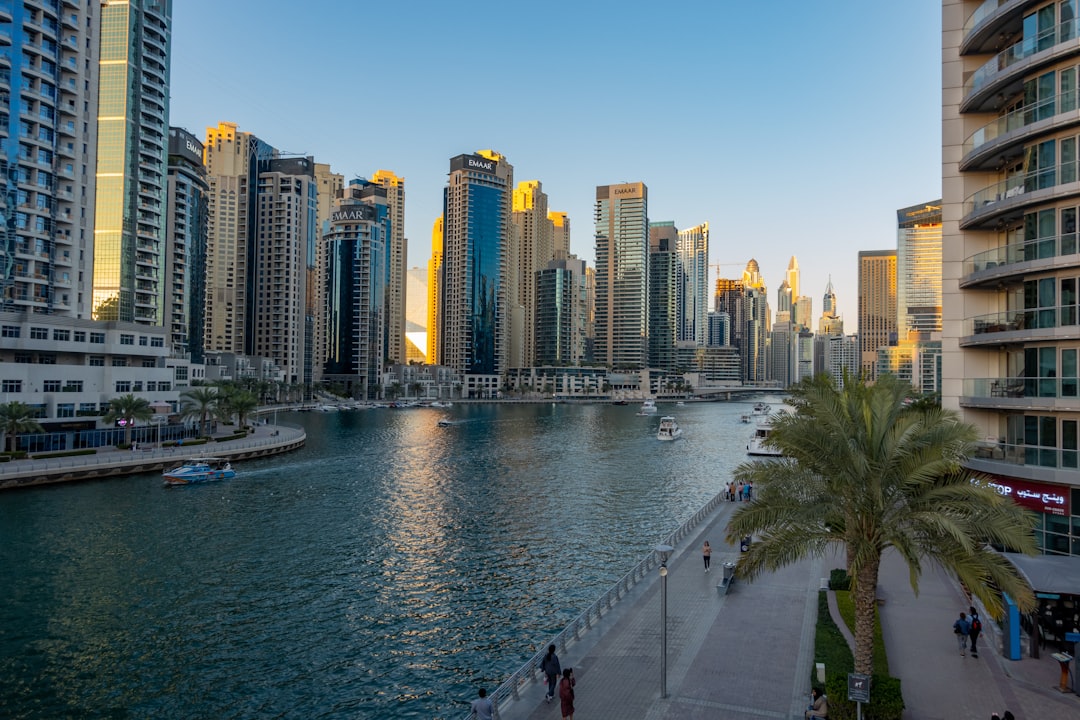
(551, 668)
(706, 552)
(566, 693)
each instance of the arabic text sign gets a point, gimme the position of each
(1040, 497)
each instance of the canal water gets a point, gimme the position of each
(386, 570)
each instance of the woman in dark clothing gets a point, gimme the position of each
(566, 693)
(550, 667)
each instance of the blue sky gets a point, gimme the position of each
(793, 128)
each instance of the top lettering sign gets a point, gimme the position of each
(1040, 497)
(353, 213)
(473, 162)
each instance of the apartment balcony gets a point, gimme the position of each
(1005, 136)
(1005, 71)
(1013, 262)
(1007, 199)
(1022, 394)
(1031, 462)
(1022, 326)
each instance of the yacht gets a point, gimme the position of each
(760, 412)
(757, 444)
(669, 429)
(648, 407)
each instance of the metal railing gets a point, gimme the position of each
(528, 673)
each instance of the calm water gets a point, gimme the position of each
(385, 570)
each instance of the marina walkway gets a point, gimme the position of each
(747, 654)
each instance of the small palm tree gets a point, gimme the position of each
(128, 408)
(863, 471)
(200, 402)
(239, 403)
(17, 418)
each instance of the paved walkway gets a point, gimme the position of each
(748, 654)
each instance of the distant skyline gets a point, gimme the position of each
(791, 128)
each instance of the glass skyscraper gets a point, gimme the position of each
(622, 275)
(918, 268)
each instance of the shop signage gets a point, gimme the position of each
(1040, 497)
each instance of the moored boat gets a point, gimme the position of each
(669, 429)
(758, 444)
(648, 407)
(199, 470)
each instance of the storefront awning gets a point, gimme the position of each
(1056, 574)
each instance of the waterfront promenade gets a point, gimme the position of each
(747, 654)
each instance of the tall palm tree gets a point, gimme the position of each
(240, 403)
(128, 408)
(863, 471)
(200, 402)
(17, 418)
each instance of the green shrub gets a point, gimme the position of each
(237, 436)
(830, 647)
(886, 700)
(14, 455)
(839, 580)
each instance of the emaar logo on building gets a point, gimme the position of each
(481, 164)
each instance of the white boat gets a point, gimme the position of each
(680, 404)
(199, 470)
(757, 444)
(444, 423)
(328, 408)
(648, 407)
(760, 412)
(669, 429)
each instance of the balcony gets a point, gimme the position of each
(1020, 326)
(1031, 456)
(1018, 259)
(1013, 62)
(1022, 393)
(984, 147)
(1011, 195)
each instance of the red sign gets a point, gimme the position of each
(1040, 497)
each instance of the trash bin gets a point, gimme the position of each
(744, 546)
(729, 571)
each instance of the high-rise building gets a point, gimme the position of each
(329, 190)
(1010, 350)
(396, 284)
(233, 161)
(756, 325)
(416, 315)
(830, 323)
(877, 306)
(842, 357)
(184, 261)
(621, 239)
(472, 295)
(49, 156)
(434, 282)
(667, 302)
(532, 249)
(693, 246)
(918, 268)
(560, 238)
(357, 256)
(132, 137)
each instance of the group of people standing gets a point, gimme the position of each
(742, 492)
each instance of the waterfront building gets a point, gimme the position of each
(396, 281)
(472, 295)
(184, 261)
(719, 329)
(49, 85)
(1009, 250)
(916, 360)
(622, 275)
(133, 116)
(416, 314)
(804, 355)
(357, 257)
(667, 302)
(233, 161)
(560, 381)
(755, 333)
(590, 315)
(434, 283)
(711, 366)
(782, 353)
(918, 269)
(560, 313)
(329, 188)
(842, 355)
(422, 381)
(693, 247)
(560, 234)
(531, 248)
(877, 306)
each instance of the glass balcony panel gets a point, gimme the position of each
(1013, 54)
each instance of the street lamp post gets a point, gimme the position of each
(663, 551)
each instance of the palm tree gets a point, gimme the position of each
(200, 402)
(863, 471)
(240, 403)
(128, 408)
(17, 418)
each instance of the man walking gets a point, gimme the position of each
(961, 628)
(482, 706)
(974, 628)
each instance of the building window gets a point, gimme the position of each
(142, 340)
(73, 386)
(164, 386)
(9, 331)
(61, 335)
(87, 409)
(180, 372)
(151, 386)
(136, 386)
(97, 338)
(11, 386)
(97, 361)
(26, 358)
(149, 362)
(127, 339)
(65, 410)
(39, 333)
(119, 362)
(50, 386)
(123, 386)
(80, 336)
(157, 342)
(46, 359)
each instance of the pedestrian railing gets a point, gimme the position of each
(530, 672)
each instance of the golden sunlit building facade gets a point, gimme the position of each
(434, 281)
(396, 284)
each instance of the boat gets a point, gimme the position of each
(200, 470)
(648, 407)
(757, 444)
(680, 404)
(761, 410)
(444, 423)
(669, 429)
(328, 408)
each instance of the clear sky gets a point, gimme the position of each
(792, 128)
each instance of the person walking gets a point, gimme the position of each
(482, 707)
(706, 552)
(550, 667)
(961, 628)
(566, 693)
(974, 628)
(819, 705)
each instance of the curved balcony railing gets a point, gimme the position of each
(982, 12)
(1021, 117)
(1022, 387)
(1021, 50)
(1022, 454)
(1017, 185)
(1035, 319)
(1048, 247)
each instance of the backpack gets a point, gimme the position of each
(976, 624)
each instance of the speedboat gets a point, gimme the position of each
(648, 407)
(444, 422)
(757, 444)
(669, 429)
(200, 470)
(761, 410)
